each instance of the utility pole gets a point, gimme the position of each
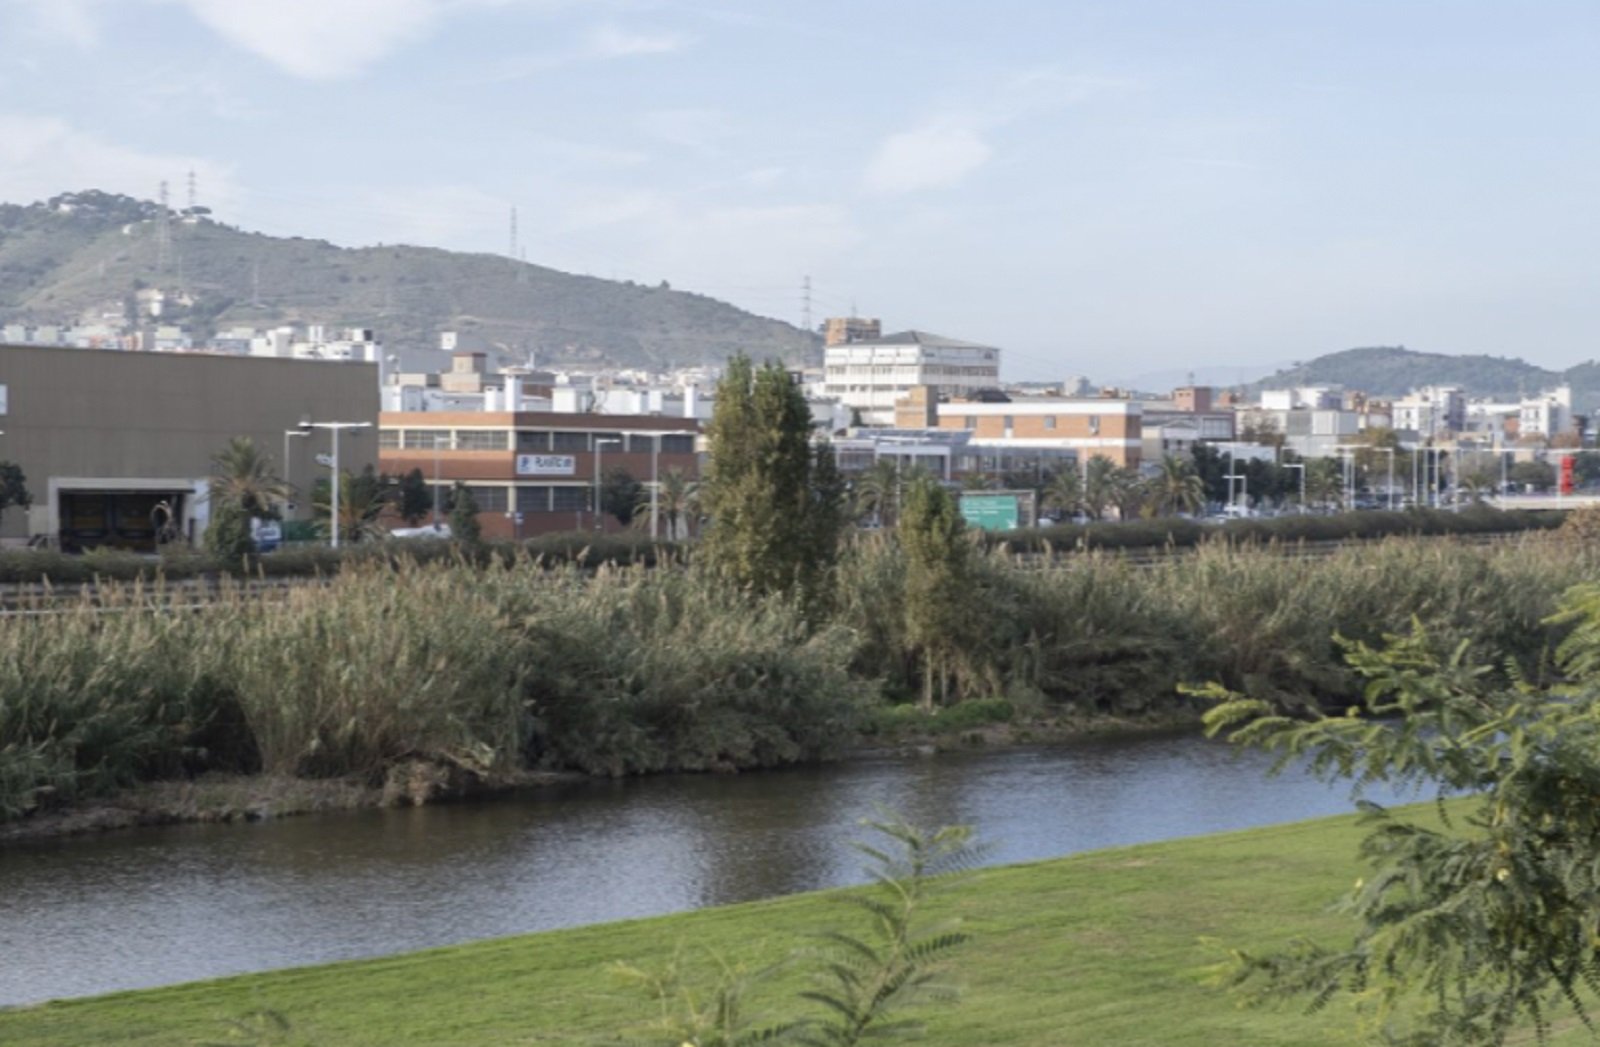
(512, 253)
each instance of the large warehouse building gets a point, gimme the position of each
(105, 436)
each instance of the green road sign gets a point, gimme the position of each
(990, 512)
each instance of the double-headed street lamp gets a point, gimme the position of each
(336, 428)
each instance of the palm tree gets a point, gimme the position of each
(1178, 488)
(1129, 492)
(877, 492)
(1324, 484)
(363, 499)
(244, 477)
(676, 499)
(1098, 483)
(1063, 492)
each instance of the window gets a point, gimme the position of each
(1049, 421)
(532, 441)
(388, 439)
(570, 499)
(489, 499)
(533, 499)
(972, 421)
(481, 440)
(1094, 423)
(423, 439)
(569, 442)
(1010, 421)
(677, 444)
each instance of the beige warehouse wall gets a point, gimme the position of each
(112, 414)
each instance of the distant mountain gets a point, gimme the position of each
(86, 254)
(1391, 371)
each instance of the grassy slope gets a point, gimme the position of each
(1104, 948)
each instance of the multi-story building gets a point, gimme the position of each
(845, 330)
(1433, 410)
(534, 472)
(870, 376)
(1078, 429)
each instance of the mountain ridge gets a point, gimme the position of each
(79, 253)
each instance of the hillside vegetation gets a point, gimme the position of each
(87, 253)
(1396, 370)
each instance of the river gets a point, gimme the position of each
(149, 907)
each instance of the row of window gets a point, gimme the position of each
(1009, 422)
(531, 441)
(530, 499)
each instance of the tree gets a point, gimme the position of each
(464, 525)
(619, 494)
(244, 485)
(1063, 493)
(1541, 476)
(1177, 488)
(938, 581)
(414, 498)
(1211, 466)
(363, 499)
(245, 476)
(775, 501)
(1324, 482)
(1099, 481)
(1472, 927)
(676, 498)
(13, 487)
(876, 492)
(1129, 493)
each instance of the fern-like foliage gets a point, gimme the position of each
(1474, 928)
(866, 980)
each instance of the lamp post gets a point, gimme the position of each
(287, 470)
(333, 507)
(598, 445)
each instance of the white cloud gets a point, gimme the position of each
(71, 20)
(318, 39)
(935, 156)
(43, 156)
(688, 128)
(612, 41)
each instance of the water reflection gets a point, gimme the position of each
(163, 905)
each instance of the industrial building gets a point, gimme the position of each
(106, 436)
(534, 472)
(871, 375)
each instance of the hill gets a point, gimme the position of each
(86, 254)
(1395, 371)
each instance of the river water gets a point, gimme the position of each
(153, 906)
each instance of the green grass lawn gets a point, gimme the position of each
(1107, 948)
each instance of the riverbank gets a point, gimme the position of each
(1108, 947)
(226, 798)
(434, 680)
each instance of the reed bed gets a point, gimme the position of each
(484, 669)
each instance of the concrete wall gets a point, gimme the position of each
(108, 415)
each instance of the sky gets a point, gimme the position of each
(1107, 189)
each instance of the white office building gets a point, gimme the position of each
(869, 376)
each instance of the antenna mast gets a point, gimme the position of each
(805, 304)
(163, 233)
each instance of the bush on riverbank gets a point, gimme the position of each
(479, 671)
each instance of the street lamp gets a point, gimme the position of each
(335, 428)
(435, 442)
(598, 444)
(288, 470)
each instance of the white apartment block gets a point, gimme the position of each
(869, 376)
(1432, 410)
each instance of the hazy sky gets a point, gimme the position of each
(1102, 188)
